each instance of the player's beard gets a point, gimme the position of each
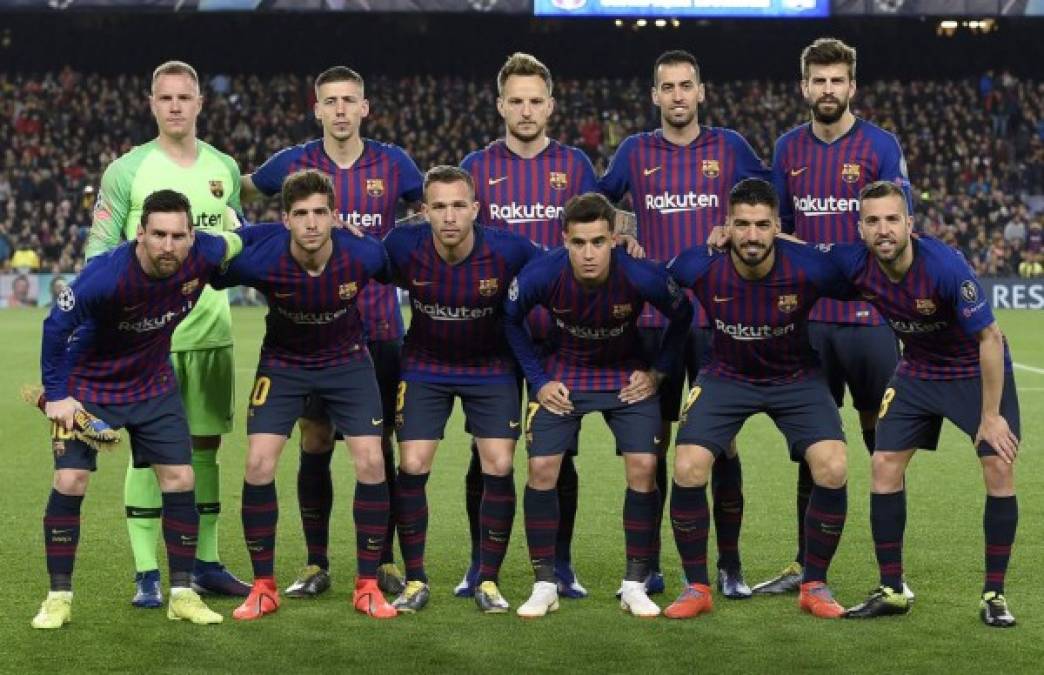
(165, 265)
(529, 135)
(765, 252)
(823, 117)
(678, 123)
(898, 249)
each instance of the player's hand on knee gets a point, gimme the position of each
(642, 385)
(63, 411)
(555, 397)
(994, 430)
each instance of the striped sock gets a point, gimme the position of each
(260, 512)
(370, 511)
(824, 522)
(541, 514)
(887, 524)
(804, 492)
(999, 521)
(412, 505)
(639, 520)
(387, 552)
(568, 498)
(181, 534)
(315, 501)
(473, 501)
(727, 489)
(61, 524)
(497, 514)
(690, 521)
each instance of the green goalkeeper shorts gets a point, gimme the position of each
(206, 382)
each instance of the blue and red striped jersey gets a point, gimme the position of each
(761, 326)
(456, 332)
(312, 321)
(594, 343)
(527, 196)
(107, 338)
(818, 185)
(366, 195)
(937, 309)
(679, 192)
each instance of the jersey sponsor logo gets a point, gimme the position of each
(925, 306)
(747, 333)
(375, 187)
(311, 318)
(217, 188)
(798, 171)
(488, 287)
(719, 298)
(916, 327)
(347, 291)
(588, 333)
(497, 181)
(850, 173)
(651, 170)
(189, 287)
(622, 311)
(711, 168)
(787, 303)
(418, 282)
(440, 312)
(559, 180)
(811, 206)
(513, 212)
(151, 323)
(66, 299)
(690, 201)
(368, 220)
(208, 220)
(969, 291)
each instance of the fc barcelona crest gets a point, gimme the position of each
(348, 291)
(622, 311)
(711, 168)
(188, 287)
(559, 180)
(925, 306)
(850, 173)
(488, 287)
(375, 187)
(217, 188)
(787, 303)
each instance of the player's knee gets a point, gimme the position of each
(316, 436)
(260, 469)
(175, 478)
(641, 472)
(829, 466)
(543, 472)
(369, 462)
(72, 482)
(999, 476)
(692, 466)
(888, 469)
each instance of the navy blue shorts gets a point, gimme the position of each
(635, 426)
(862, 357)
(912, 411)
(696, 354)
(347, 393)
(717, 408)
(387, 362)
(490, 410)
(158, 429)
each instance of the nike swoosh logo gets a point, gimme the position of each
(376, 421)
(557, 310)
(798, 172)
(131, 308)
(417, 282)
(513, 425)
(717, 299)
(282, 295)
(649, 172)
(656, 441)
(494, 181)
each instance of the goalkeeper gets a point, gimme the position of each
(105, 350)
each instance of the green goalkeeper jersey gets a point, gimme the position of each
(211, 185)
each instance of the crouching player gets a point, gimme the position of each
(106, 349)
(311, 276)
(955, 366)
(595, 293)
(457, 273)
(757, 296)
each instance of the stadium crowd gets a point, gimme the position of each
(975, 148)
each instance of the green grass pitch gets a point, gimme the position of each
(943, 564)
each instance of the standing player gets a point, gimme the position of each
(457, 273)
(106, 349)
(759, 294)
(370, 179)
(955, 365)
(594, 292)
(818, 169)
(202, 346)
(523, 181)
(314, 347)
(679, 178)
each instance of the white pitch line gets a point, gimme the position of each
(1032, 369)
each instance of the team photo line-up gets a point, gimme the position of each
(769, 289)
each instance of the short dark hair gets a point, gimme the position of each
(826, 52)
(303, 184)
(673, 57)
(523, 65)
(446, 173)
(166, 201)
(880, 189)
(587, 208)
(753, 191)
(338, 74)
